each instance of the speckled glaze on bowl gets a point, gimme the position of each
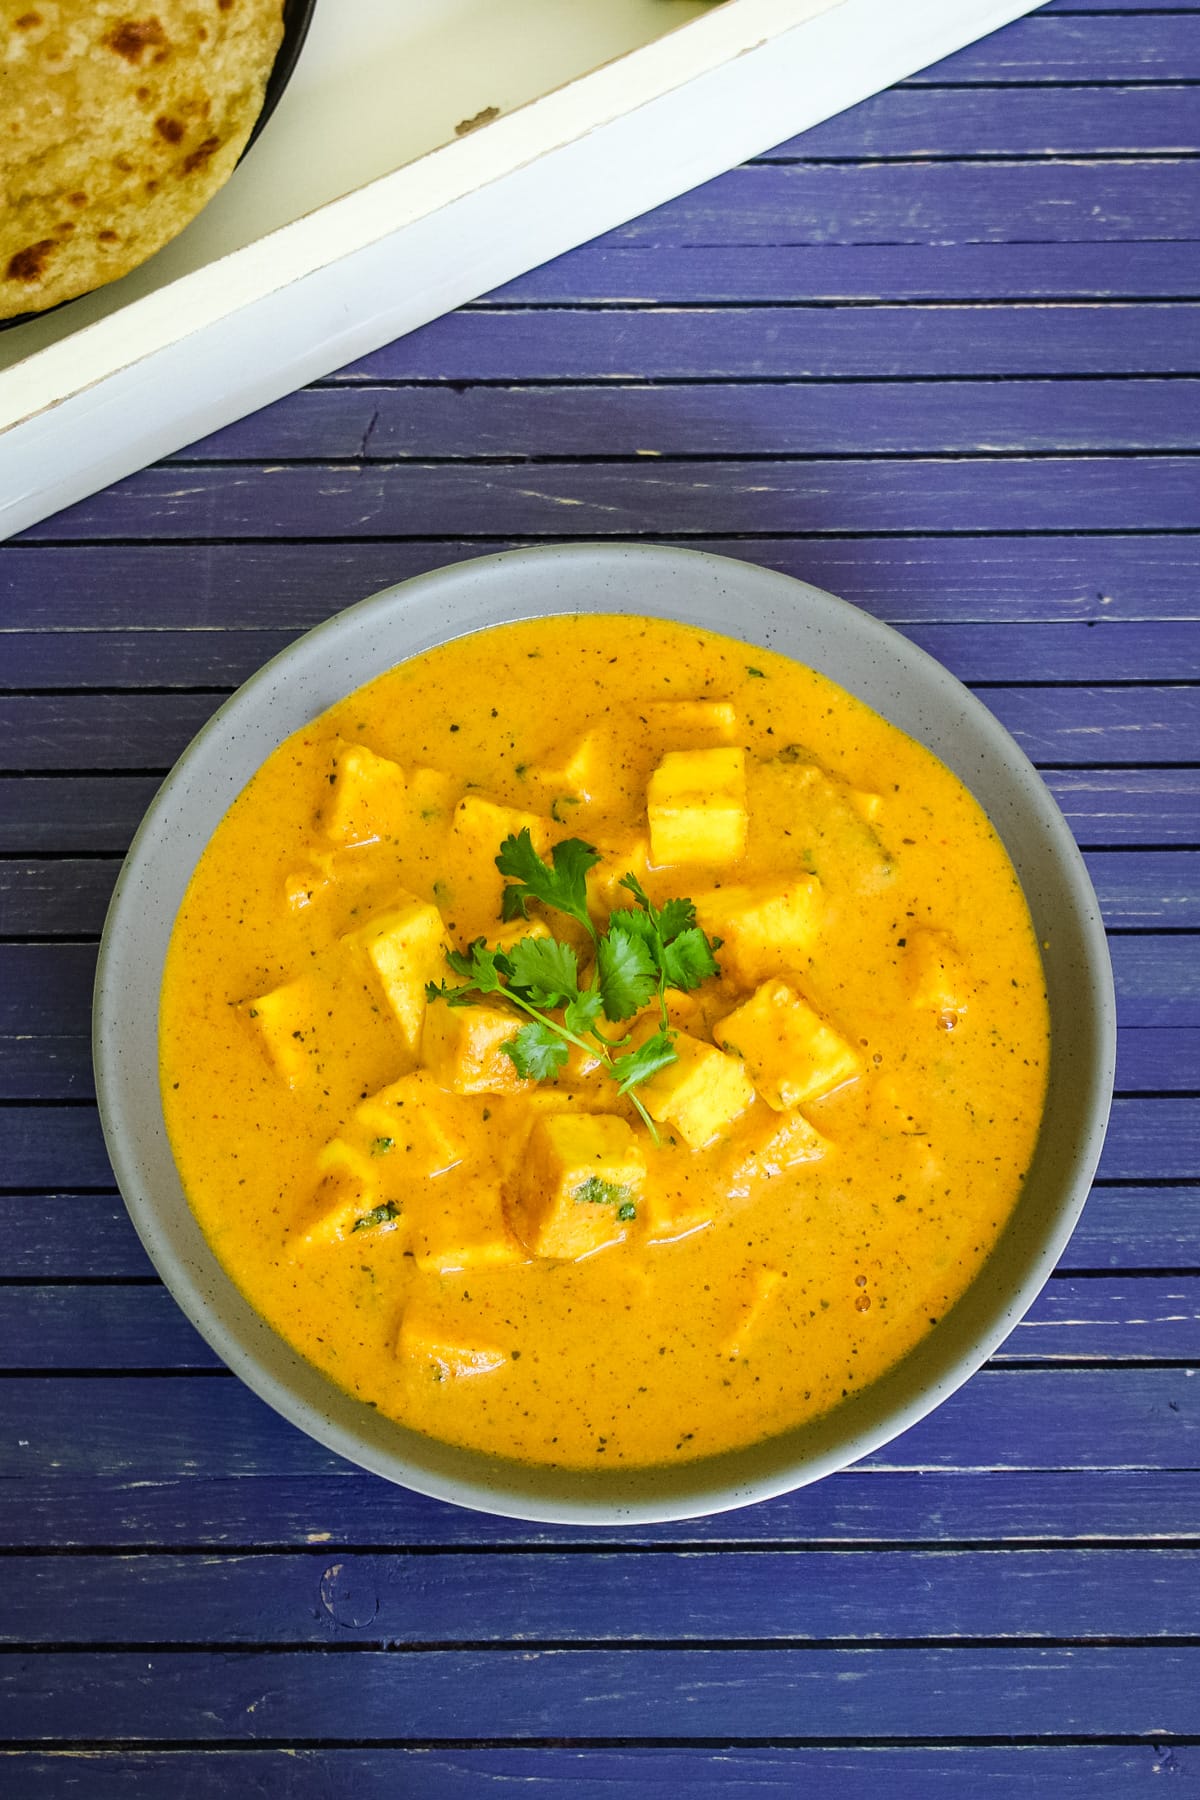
(759, 607)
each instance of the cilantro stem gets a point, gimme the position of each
(544, 1018)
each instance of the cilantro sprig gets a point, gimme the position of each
(645, 951)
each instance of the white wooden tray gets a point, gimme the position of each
(386, 191)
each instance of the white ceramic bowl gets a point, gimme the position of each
(758, 607)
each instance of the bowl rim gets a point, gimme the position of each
(439, 606)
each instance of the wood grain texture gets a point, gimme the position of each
(202, 1507)
(712, 418)
(663, 343)
(164, 1427)
(748, 1695)
(939, 355)
(606, 273)
(1011, 1772)
(640, 1598)
(553, 499)
(1130, 1319)
(905, 580)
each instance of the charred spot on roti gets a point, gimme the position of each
(29, 264)
(171, 130)
(197, 158)
(133, 37)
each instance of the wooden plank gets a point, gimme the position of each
(344, 1597)
(63, 1237)
(666, 343)
(1095, 651)
(63, 897)
(553, 499)
(1158, 46)
(92, 814)
(1125, 1319)
(1149, 888)
(139, 731)
(201, 1508)
(47, 988)
(1092, 200)
(906, 580)
(1158, 806)
(350, 422)
(1157, 1060)
(67, 897)
(54, 1237)
(158, 1427)
(1090, 7)
(61, 1146)
(1128, 1227)
(946, 122)
(34, 1066)
(621, 273)
(276, 1696)
(79, 814)
(1008, 1772)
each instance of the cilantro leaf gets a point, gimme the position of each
(634, 922)
(676, 916)
(582, 1012)
(378, 1215)
(658, 1052)
(628, 978)
(479, 965)
(537, 1051)
(561, 883)
(595, 1192)
(545, 969)
(688, 960)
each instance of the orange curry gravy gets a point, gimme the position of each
(857, 1097)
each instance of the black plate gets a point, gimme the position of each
(297, 17)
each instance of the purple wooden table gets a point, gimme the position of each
(941, 356)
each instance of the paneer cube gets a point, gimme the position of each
(367, 797)
(868, 806)
(503, 937)
(700, 1094)
(691, 724)
(696, 807)
(415, 1129)
(753, 1292)
(483, 825)
(618, 857)
(677, 1210)
(762, 928)
(349, 1199)
(442, 1349)
(461, 1225)
(783, 1141)
(406, 949)
(936, 975)
(431, 795)
(578, 1186)
(803, 816)
(586, 774)
(461, 1048)
(306, 883)
(284, 1022)
(790, 1053)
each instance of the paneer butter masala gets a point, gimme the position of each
(597, 1042)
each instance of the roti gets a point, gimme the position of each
(116, 128)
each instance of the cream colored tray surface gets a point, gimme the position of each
(426, 151)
